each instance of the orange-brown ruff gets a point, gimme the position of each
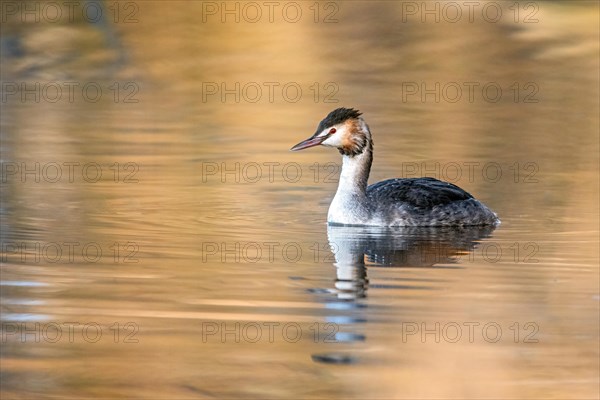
(354, 143)
(393, 202)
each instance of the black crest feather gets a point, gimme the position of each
(338, 116)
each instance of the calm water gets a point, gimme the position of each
(160, 241)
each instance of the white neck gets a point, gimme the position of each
(355, 172)
(350, 205)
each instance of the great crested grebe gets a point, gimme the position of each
(393, 202)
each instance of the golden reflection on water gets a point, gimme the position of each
(174, 200)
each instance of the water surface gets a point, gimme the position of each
(182, 252)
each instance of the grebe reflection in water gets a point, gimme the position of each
(356, 248)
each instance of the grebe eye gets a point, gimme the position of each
(332, 130)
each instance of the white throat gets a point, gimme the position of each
(350, 205)
(355, 173)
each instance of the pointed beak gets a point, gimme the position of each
(310, 142)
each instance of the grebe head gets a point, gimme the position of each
(343, 129)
